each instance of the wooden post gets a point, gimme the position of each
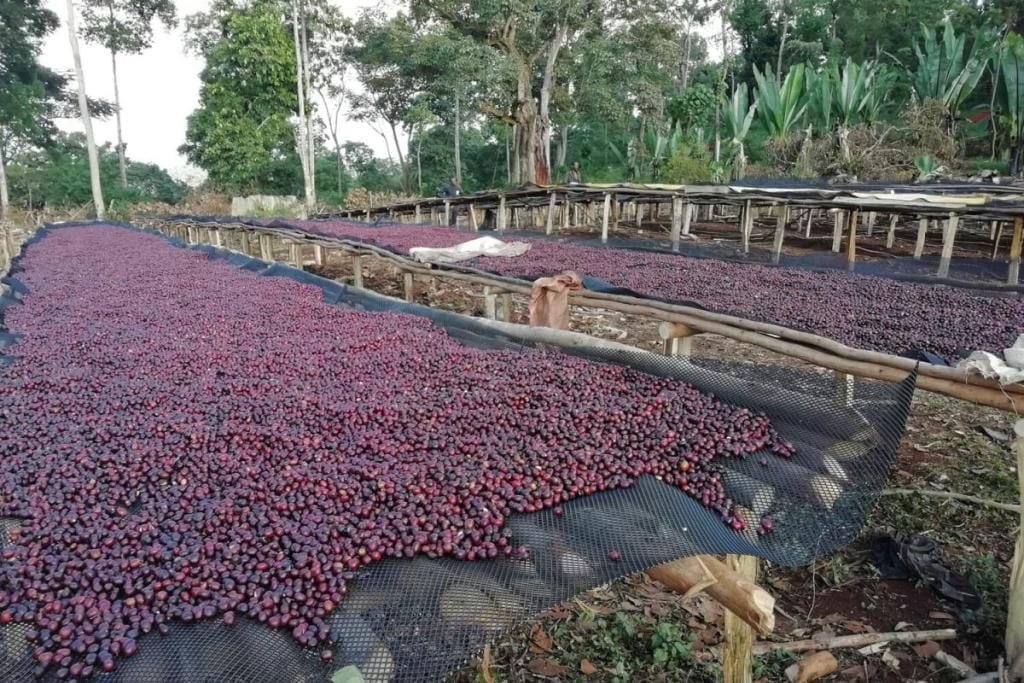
(677, 338)
(737, 652)
(995, 239)
(780, 234)
(216, 237)
(501, 213)
(837, 230)
(851, 245)
(1014, 271)
(948, 237)
(407, 283)
(922, 228)
(473, 223)
(810, 218)
(447, 212)
(605, 217)
(367, 214)
(871, 217)
(318, 254)
(266, 248)
(890, 239)
(490, 303)
(357, 271)
(688, 211)
(566, 212)
(433, 215)
(416, 214)
(1015, 615)
(550, 225)
(746, 226)
(844, 389)
(677, 221)
(295, 253)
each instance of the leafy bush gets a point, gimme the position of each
(689, 164)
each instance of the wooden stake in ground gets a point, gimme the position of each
(1015, 616)
(737, 654)
(1014, 271)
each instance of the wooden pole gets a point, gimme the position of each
(851, 245)
(490, 304)
(605, 217)
(318, 254)
(416, 214)
(678, 339)
(1014, 271)
(871, 218)
(501, 213)
(407, 283)
(473, 223)
(922, 229)
(447, 212)
(837, 230)
(737, 653)
(688, 210)
(266, 248)
(996, 238)
(948, 237)
(810, 219)
(1015, 615)
(550, 225)
(295, 251)
(357, 271)
(566, 212)
(890, 239)
(677, 221)
(746, 226)
(780, 234)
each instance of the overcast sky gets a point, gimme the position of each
(159, 89)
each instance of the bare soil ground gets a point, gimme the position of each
(636, 630)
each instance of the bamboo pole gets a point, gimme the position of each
(1015, 615)
(746, 226)
(605, 217)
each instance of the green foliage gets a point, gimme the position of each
(772, 665)
(780, 107)
(1011, 62)
(944, 72)
(689, 164)
(125, 26)
(985, 573)
(241, 133)
(59, 177)
(693, 108)
(670, 646)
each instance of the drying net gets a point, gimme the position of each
(416, 619)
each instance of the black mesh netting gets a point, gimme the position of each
(415, 620)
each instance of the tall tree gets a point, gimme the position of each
(241, 130)
(124, 27)
(83, 108)
(529, 36)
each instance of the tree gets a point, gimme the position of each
(1012, 71)
(124, 27)
(83, 108)
(529, 36)
(241, 133)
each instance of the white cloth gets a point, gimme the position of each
(1008, 370)
(481, 246)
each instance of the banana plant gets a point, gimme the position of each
(780, 106)
(1012, 72)
(737, 115)
(945, 70)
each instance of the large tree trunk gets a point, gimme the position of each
(302, 144)
(121, 161)
(5, 200)
(83, 109)
(406, 180)
(547, 87)
(310, 138)
(458, 142)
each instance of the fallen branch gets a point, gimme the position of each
(856, 641)
(1009, 507)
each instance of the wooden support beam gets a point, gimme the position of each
(606, 217)
(1014, 271)
(416, 214)
(948, 238)
(266, 247)
(501, 224)
(851, 244)
(566, 212)
(407, 285)
(447, 212)
(837, 230)
(870, 220)
(737, 652)
(549, 226)
(357, 271)
(367, 214)
(677, 339)
(318, 254)
(688, 210)
(1015, 616)
(998, 229)
(922, 228)
(677, 221)
(473, 222)
(890, 238)
(780, 234)
(433, 215)
(810, 219)
(746, 226)
(295, 254)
